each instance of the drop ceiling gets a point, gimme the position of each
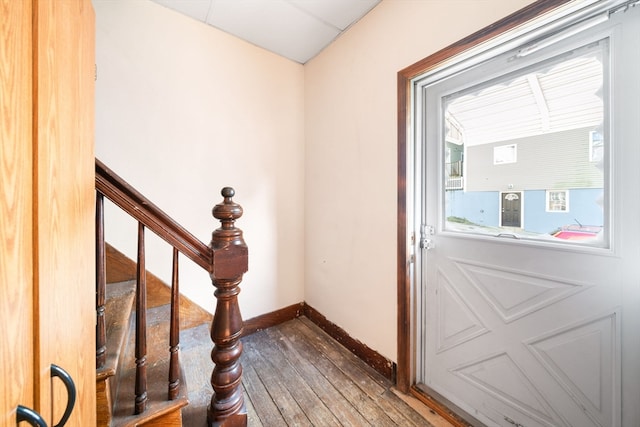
(295, 29)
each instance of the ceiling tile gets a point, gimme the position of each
(197, 9)
(275, 25)
(339, 13)
(295, 29)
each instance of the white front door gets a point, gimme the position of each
(525, 334)
(535, 324)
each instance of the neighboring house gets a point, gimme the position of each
(536, 183)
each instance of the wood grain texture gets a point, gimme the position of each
(439, 408)
(120, 269)
(158, 407)
(229, 261)
(273, 318)
(119, 303)
(155, 219)
(104, 402)
(16, 297)
(170, 419)
(296, 374)
(64, 205)
(374, 359)
(368, 355)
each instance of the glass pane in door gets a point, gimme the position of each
(524, 154)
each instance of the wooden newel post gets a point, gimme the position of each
(229, 263)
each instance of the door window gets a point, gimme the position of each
(534, 132)
(522, 139)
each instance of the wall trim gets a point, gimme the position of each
(274, 318)
(375, 360)
(371, 357)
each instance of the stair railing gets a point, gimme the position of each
(225, 259)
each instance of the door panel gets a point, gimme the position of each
(65, 206)
(519, 327)
(46, 209)
(16, 271)
(512, 335)
(511, 207)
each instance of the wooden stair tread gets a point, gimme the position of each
(120, 267)
(118, 302)
(157, 365)
(119, 370)
(157, 403)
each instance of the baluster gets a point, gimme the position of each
(229, 263)
(174, 333)
(101, 284)
(141, 326)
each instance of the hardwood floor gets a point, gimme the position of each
(294, 374)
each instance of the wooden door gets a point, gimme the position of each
(48, 263)
(16, 232)
(511, 207)
(64, 152)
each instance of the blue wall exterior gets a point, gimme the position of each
(482, 208)
(479, 207)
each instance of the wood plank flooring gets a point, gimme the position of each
(294, 374)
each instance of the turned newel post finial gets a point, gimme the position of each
(227, 211)
(229, 261)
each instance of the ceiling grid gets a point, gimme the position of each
(294, 29)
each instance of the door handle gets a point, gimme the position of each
(57, 371)
(510, 235)
(29, 415)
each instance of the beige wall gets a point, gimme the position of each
(183, 110)
(350, 156)
(310, 150)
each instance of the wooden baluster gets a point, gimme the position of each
(101, 284)
(229, 263)
(141, 326)
(174, 332)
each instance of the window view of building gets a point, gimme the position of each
(517, 146)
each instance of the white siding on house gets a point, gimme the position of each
(550, 161)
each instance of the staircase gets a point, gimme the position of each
(115, 382)
(140, 321)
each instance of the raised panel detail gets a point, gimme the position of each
(514, 294)
(457, 321)
(582, 359)
(501, 377)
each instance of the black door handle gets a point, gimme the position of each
(29, 415)
(35, 419)
(57, 371)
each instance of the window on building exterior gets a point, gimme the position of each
(525, 121)
(505, 154)
(557, 201)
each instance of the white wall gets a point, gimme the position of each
(183, 110)
(350, 156)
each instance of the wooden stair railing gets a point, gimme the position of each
(225, 259)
